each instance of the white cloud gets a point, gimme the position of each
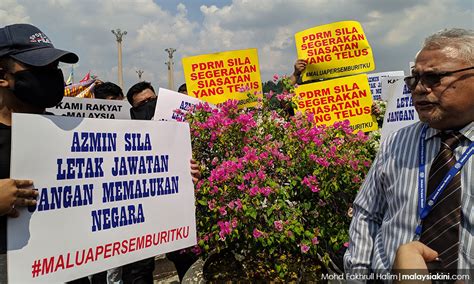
(420, 18)
(395, 30)
(12, 12)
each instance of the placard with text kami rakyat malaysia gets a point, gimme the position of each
(92, 108)
(218, 77)
(334, 50)
(338, 100)
(111, 192)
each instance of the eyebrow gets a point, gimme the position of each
(432, 70)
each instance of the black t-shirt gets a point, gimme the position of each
(5, 152)
(5, 147)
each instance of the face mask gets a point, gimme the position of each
(39, 87)
(145, 111)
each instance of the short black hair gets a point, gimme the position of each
(137, 88)
(182, 88)
(106, 89)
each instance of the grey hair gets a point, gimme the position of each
(458, 42)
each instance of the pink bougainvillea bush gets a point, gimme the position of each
(276, 189)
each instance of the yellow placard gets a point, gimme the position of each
(218, 77)
(334, 50)
(337, 100)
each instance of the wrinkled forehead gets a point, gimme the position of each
(449, 52)
(439, 58)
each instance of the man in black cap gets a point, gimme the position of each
(30, 81)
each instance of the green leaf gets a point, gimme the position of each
(253, 214)
(270, 210)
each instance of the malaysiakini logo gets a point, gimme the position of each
(40, 38)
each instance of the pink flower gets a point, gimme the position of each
(278, 225)
(322, 161)
(238, 203)
(211, 204)
(311, 182)
(254, 191)
(222, 211)
(265, 191)
(247, 121)
(250, 154)
(222, 235)
(244, 89)
(214, 190)
(304, 248)
(225, 229)
(275, 77)
(346, 244)
(231, 205)
(234, 222)
(264, 155)
(269, 95)
(315, 241)
(196, 250)
(354, 164)
(257, 234)
(361, 135)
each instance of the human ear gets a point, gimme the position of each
(4, 82)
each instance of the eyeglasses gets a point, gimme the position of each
(429, 79)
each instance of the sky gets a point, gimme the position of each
(395, 30)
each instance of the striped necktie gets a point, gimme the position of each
(441, 226)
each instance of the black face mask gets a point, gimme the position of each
(145, 111)
(39, 87)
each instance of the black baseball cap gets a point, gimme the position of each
(27, 44)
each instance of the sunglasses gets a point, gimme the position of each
(429, 79)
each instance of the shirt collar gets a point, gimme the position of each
(467, 131)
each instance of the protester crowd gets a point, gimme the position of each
(398, 222)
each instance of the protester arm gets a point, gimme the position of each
(15, 193)
(368, 206)
(299, 67)
(195, 171)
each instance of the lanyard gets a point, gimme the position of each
(424, 208)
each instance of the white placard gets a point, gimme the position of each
(92, 108)
(170, 101)
(375, 82)
(111, 192)
(400, 111)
